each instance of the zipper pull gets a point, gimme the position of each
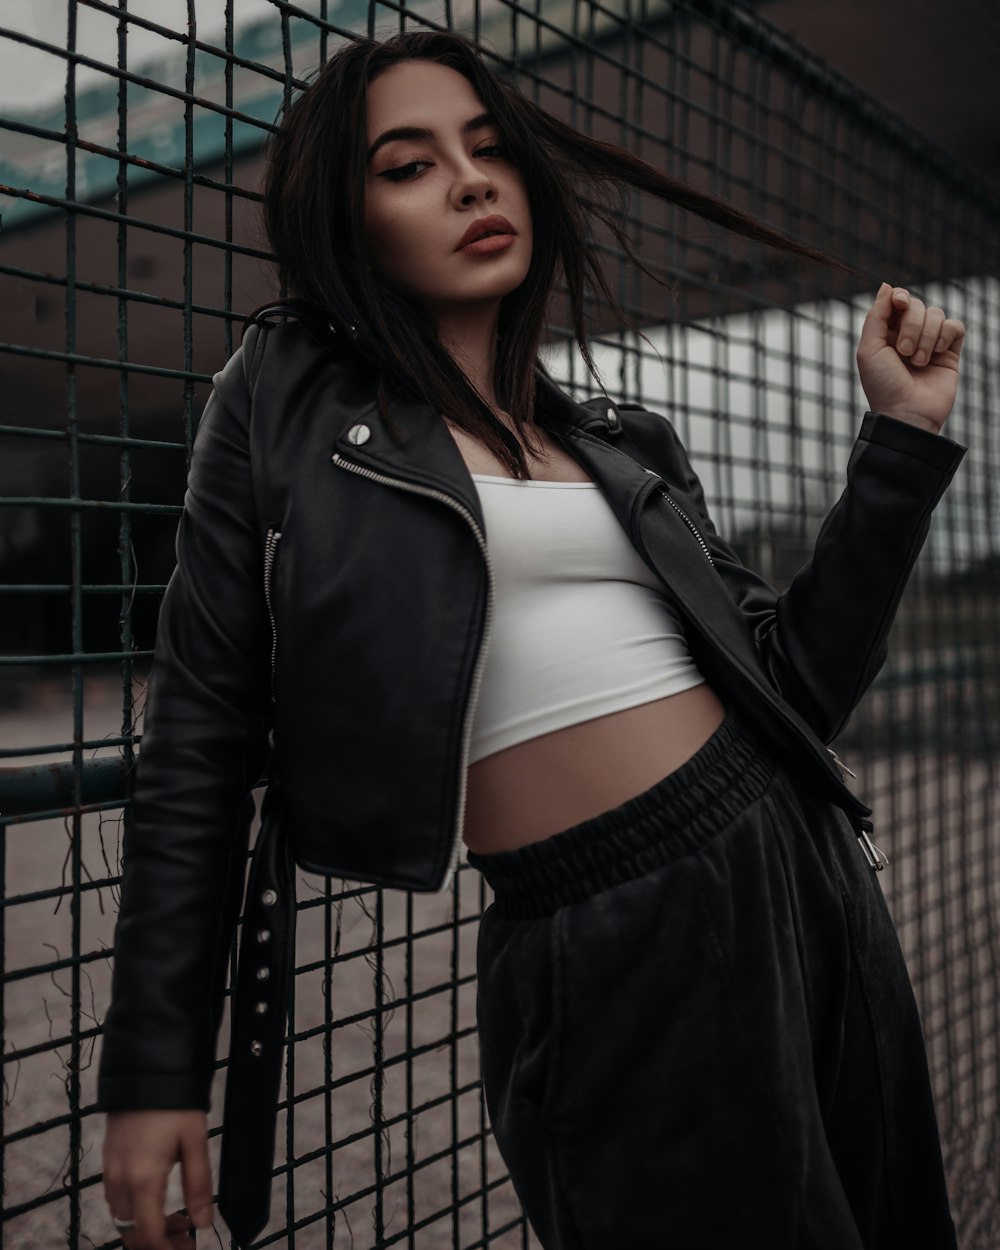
(845, 772)
(878, 859)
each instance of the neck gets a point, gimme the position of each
(468, 334)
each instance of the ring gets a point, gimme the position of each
(122, 1225)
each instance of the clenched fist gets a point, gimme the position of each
(908, 359)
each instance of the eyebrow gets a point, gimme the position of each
(480, 122)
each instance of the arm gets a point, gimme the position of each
(822, 641)
(187, 831)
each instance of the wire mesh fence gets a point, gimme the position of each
(130, 252)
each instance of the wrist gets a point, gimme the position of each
(911, 418)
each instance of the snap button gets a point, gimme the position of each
(256, 1048)
(612, 418)
(269, 897)
(263, 935)
(263, 973)
(358, 434)
(260, 1008)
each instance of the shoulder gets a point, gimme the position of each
(636, 429)
(638, 415)
(652, 439)
(276, 356)
(648, 428)
(268, 355)
(268, 343)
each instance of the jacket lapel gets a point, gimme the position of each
(428, 456)
(633, 492)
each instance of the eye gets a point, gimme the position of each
(409, 170)
(401, 171)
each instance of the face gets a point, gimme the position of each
(423, 193)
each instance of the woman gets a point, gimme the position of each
(696, 1026)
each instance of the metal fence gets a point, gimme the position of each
(130, 251)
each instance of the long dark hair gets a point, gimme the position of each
(313, 214)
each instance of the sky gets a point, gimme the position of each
(29, 77)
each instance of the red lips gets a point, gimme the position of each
(486, 225)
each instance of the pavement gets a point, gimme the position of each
(937, 817)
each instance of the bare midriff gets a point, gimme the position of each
(537, 788)
(540, 787)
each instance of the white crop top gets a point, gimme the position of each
(581, 625)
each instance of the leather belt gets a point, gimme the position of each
(258, 1015)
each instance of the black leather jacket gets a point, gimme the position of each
(319, 561)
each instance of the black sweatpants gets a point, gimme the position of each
(697, 1030)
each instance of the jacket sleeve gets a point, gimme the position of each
(187, 828)
(823, 640)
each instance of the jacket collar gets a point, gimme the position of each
(430, 458)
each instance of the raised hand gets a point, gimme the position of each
(908, 358)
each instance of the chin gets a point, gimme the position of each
(501, 285)
(454, 300)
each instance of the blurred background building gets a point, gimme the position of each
(189, 241)
(131, 138)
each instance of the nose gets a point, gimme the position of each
(472, 182)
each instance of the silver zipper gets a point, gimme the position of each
(845, 772)
(665, 492)
(876, 858)
(484, 640)
(690, 524)
(270, 548)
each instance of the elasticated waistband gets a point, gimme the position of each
(679, 814)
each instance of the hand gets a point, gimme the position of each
(140, 1149)
(908, 359)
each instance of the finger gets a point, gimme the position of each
(910, 326)
(899, 302)
(929, 336)
(118, 1194)
(196, 1177)
(117, 1197)
(876, 324)
(952, 336)
(149, 1194)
